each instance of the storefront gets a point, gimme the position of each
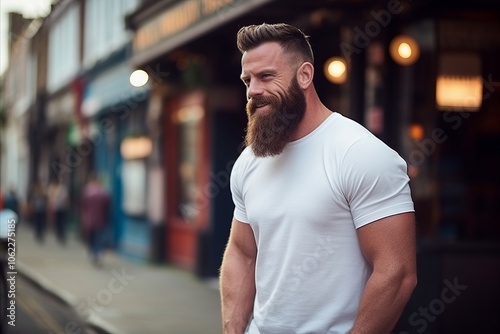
(57, 164)
(440, 106)
(113, 126)
(202, 121)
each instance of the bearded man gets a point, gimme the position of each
(323, 235)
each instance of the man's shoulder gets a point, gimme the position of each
(245, 156)
(243, 160)
(342, 132)
(344, 124)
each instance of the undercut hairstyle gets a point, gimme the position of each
(290, 38)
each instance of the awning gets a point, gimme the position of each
(166, 25)
(111, 89)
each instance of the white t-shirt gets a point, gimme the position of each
(304, 207)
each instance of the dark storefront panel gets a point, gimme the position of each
(457, 290)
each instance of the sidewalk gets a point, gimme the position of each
(121, 297)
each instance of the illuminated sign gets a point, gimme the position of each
(136, 147)
(176, 19)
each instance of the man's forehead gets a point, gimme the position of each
(268, 51)
(267, 55)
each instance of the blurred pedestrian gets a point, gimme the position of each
(323, 235)
(59, 203)
(10, 200)
(38, 208)
(94, 216)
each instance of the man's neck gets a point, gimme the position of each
(316, 113)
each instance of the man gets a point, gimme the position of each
(59, 204)
(95, 206)
(323, 235)
(37, 200)
(10, 200)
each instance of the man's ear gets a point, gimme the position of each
(305, 75)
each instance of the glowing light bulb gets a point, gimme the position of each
(335, 70)
(404, 50)
(139, 78)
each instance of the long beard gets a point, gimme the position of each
(268, 132)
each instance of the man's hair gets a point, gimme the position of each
(291, 39)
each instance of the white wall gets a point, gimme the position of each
(63, 50)
(19, 96)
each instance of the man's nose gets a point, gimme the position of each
(254, 89)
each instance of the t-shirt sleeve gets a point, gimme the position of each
(237, 194)
(375, 181)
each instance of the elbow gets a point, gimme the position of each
(408, 282)
(403, 279)
(411, 281)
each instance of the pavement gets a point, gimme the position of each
(121, 296)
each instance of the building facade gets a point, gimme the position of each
(18, 98)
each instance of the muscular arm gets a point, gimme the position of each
(237, 278)
(389, 246)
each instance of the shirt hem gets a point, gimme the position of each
(393, 210)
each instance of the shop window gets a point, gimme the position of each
(134, 187)
(105, 29)
(459, 84)
(188, 120)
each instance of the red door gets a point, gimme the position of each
(187, 200)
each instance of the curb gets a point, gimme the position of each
(95, 322)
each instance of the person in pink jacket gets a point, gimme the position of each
(94, 216)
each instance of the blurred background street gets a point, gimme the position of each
(119, 296)
(38, 312)
(144, 99)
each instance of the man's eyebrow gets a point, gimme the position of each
(267, 70)
(260, 72)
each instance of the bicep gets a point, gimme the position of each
(242, 240)
(389, 243)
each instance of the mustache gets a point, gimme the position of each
(259, 101)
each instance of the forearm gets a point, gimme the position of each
(382, 303)
(237, 282)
